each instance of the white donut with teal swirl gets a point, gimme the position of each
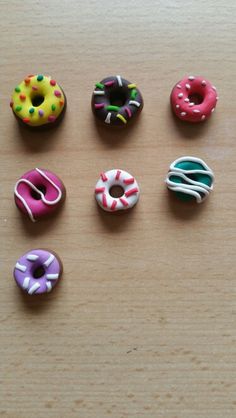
(189, 178)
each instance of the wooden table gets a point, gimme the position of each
(143, 322)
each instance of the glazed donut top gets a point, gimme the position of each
(29, 197)
(38, 100)
(190, 177)
(116, 101)
(194, 99)
(28, 264)
(119, 178)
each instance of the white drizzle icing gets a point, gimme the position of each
(191, 187)
(47, 202)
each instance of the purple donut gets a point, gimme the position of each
(38, 271)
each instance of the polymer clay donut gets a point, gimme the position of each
(125, 181)
(38, 101)
(190, 178)
(38, 271)
(193, 99)
(38, 193)
(116, 101)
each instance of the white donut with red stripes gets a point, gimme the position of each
(113, 178)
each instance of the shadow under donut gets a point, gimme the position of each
(186, 129)
(183, 210)
(116, 222)
(115, 136)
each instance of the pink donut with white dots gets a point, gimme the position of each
(38, 193)
(193, 99)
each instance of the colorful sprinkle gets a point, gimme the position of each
(51, 118)
(53, 82)
(99, 105)
(103, 177)
(180, 95)
(22, 96)
(27, 80)
(128, 111)
(109, 83)
(133, 94)
(57, 93)
(41, 112)
(31, 110)
(111, 107)
(131, 192)
(53, 107)
(11, 103)
(40, 77)
(17, 89)
(30, 75)
(135, 103)
(121, 118)
(18, 108)
(61, 102)
(132, 86)
(26, 120)
(99, 85)
(35, 88)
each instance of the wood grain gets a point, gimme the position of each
(143, 323)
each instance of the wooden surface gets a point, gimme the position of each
(143, 322)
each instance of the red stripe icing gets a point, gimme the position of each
(99, 190)
(123, 201)
(129, 181)
(103, 177)
(131, 191)
(118, 173)
(104, 200)
(128, 112)
(114, 203)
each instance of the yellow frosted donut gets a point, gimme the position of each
(38, 100)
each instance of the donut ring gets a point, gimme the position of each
(113, 178)
(189, 178)
(116, 101)
(38, 101)
(38, 193)
(38, 271)
(193, 99)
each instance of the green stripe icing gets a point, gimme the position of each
(31, 110)
(99, 85)
(17, 89)
(18, 108)
(133, 94)
(53, 107)
(115, 108)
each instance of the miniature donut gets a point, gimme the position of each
(38, 101)
(38, 271)
(193, 99)
(189, 178)
(126, 182)
(116, 101)
(38, 193)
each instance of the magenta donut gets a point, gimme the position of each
(193, 99)
(38, 271)
(38, 193)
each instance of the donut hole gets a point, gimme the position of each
(118, 97)
(37, 100)
(35, 195)
(116, 191)
(195, 98)
(38, 272)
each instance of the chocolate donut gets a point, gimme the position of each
(116, 101)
